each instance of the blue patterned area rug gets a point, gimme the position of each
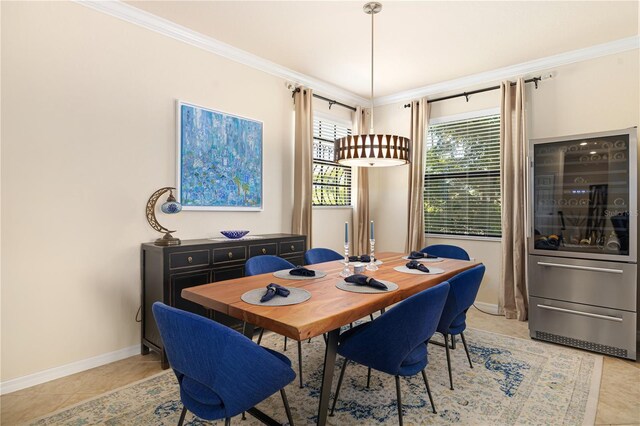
(513, 382)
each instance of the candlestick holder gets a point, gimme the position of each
(371, 266)
(346, 272)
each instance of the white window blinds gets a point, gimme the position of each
(331, 181)
(462, 177)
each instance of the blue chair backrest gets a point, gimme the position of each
(320, 255)
(217, 366)
(391, 337)
(263, 264)
(448, 251)
(463, 292)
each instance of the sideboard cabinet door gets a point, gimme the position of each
(177, 282)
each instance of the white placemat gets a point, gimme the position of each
(425, 260)
(354, 288)
(432, 271)
(284, 274)
(296, 295)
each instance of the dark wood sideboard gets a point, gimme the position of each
(168, 270)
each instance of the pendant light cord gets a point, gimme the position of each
(371, 124)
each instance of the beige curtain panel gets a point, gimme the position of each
(360, 125)
(303, 164)
(513, 188)
(415, 225)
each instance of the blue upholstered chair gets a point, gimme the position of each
(221, 373)
(394, 342)
(263, 265)
(463, 292)
(320, 255)
(448, 251)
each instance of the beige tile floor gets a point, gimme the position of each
(619, 402)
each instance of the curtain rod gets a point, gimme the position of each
(331, 101)
(533, 80)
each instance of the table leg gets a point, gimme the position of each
(327, 375)
(247, 330)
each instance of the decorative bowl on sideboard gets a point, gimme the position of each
(234, 234)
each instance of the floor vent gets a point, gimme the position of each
(583, 344)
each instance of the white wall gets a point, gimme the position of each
(88, 107)
(595, 95)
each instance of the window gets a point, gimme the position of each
(331, 181)
(462, 177)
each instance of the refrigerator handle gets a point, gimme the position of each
(586, 314)
(528, 217)
(582, 268)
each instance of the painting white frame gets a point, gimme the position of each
(186, 189)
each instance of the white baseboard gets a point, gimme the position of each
(66, 370)
(489, 307)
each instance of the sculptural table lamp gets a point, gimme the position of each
(171, 206)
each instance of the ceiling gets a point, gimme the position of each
(417, 43)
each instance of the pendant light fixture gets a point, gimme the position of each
(372, 150)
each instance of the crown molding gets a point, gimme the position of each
(525, 68)
(165, 27)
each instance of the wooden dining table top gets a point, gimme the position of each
(329, 307)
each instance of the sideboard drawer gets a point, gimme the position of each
(229, 254)
(289, 247)
(187, 259)
(260, 249)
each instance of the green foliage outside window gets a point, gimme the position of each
(462, 178)
(331, 181)
(331, 185)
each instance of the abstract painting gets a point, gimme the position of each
(219, 160)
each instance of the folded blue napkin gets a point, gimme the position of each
(362, 258)
(272, 290)
(359, 279)
(302, 272)
(417, 265)
(420, 255)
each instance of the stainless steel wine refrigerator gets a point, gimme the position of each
(583, 240)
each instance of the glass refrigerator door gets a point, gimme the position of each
(581, 197)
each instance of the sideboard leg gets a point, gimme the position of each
(164, 362)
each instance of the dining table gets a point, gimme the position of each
(327, 310)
